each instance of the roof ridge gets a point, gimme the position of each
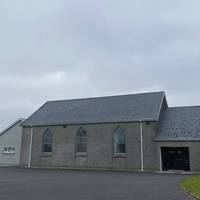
(102, 97)
(127, 107)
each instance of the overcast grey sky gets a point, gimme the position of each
(60, 49)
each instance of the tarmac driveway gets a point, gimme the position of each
(25, 184)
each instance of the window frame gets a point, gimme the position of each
(77, 142)
(123, 133)
(47, 131)
(9, 150)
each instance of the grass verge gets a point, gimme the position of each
(192, 185)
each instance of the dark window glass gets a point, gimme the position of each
(119, 141)
(47, 141)
(81, 141)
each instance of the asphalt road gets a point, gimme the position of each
(36, 184)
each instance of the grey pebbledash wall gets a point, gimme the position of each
(99, 148)
(194, 151)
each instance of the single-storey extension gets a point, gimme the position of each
(10, 144)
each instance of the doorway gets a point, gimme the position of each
(175, 158)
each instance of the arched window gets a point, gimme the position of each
(119, 141)
(81, 141)
(47, 141)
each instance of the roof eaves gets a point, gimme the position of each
(82, 123)
(177, 140)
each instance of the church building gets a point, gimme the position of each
(127, 132)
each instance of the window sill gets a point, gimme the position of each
(81, 155)
(120, 155)
(8, 153)
(46, 154)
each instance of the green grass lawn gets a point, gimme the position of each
(192, 185)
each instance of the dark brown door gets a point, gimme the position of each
(175, 158)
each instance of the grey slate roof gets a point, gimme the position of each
(180, 123)
(121, 108)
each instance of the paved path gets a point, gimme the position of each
(35, 184)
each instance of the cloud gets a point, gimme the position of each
(67, 49)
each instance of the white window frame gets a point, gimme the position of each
(9, 150)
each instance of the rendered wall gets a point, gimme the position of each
(11, 138)
(99, 149)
